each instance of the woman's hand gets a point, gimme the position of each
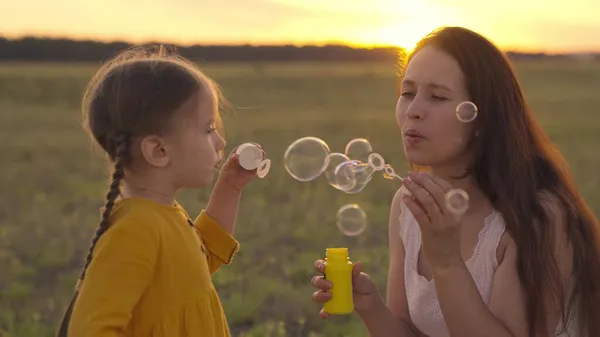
(363, 288)
(440, 228)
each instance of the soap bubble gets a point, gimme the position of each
(466, 112)
(358, 149)
(306, 158)
(334, 159)
(263, 168)
(388, 173)
(353, 175)
(351, 220)
(376, 162)
(457, 201)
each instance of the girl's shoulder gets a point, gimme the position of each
(144, 213)
(143, 208)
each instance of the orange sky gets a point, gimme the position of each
(546, 25)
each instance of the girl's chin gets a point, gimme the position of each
(202, 180)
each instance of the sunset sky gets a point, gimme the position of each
(545, 25)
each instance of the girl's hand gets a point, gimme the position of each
(233, 175)
(363, 288)
(440, 229)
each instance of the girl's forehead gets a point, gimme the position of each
(202, 103)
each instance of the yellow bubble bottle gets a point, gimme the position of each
(338, 271)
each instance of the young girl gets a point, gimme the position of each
(524, 260)
(148, 270)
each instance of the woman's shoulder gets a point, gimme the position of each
(397, 203)
(554, 211)
(551, 204)
(399, 213)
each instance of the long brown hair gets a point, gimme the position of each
(137, 93)
(514, 163)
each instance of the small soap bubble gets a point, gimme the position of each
(263, 168)
(466, 112)
(344, 175)
(333, 161)
(306, 158)
(358, 149)
(353, 175)
(457, 201)
(388, 172)
(351, 220)
(376, 161)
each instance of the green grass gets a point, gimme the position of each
(53, 182)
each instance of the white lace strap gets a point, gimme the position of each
(495, 229)
(405, 217)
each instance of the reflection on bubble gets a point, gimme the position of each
(353, 175)
(306, 158)
(457, 201)
(358, 149)
(351, 220)
(466, 112)
(333, 161)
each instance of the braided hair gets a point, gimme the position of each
(113, 192)
(134, 95)
(121, 145)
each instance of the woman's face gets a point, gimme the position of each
(432, 88)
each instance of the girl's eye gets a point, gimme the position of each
(407, 94)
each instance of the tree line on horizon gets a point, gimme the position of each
(39, 49)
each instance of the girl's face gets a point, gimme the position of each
(194, 146)
(432, 88)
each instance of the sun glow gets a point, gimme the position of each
(402, 35)
(415, 19)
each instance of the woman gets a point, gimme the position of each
(524, 260)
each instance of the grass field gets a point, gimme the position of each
(53, 182)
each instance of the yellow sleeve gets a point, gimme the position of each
(220, 245)
(121, 268)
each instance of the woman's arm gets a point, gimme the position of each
(506, 315)
(392, 320)
(508, 298)
(464, 311)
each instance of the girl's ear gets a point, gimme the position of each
(154, 151)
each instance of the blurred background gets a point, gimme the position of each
(290, 69)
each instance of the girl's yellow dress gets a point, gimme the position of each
(151, 275)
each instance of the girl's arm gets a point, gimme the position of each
(121, 269)
(216, 225)
(220, 245)
(223, 205)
